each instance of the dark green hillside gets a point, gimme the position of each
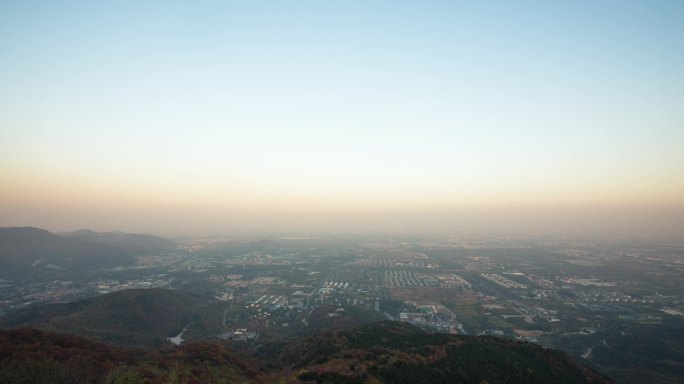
(400, 353)
(637, 353)
(130, 317)
(32, 356)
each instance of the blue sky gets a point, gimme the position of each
(312, 106)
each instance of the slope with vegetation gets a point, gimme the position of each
(142, 317)
(380, 353)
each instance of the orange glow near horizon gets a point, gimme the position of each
(63, 203)
(440, 118)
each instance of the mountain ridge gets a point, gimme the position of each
(133, 242)
(35, 247)
(367, 354)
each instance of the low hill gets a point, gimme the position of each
(381, 353)
(395, 352)
(27, 246)
(142, 317)
(134, 243)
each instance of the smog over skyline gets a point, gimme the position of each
(215, 118)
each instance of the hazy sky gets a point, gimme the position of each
(220, 117)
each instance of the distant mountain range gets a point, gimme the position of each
(387, 352)
(133, 242)
(27, 246)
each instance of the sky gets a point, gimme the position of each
(220, 117)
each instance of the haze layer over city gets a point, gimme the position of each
(348, 192)
(220, 118)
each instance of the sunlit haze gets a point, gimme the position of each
(213, 117)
